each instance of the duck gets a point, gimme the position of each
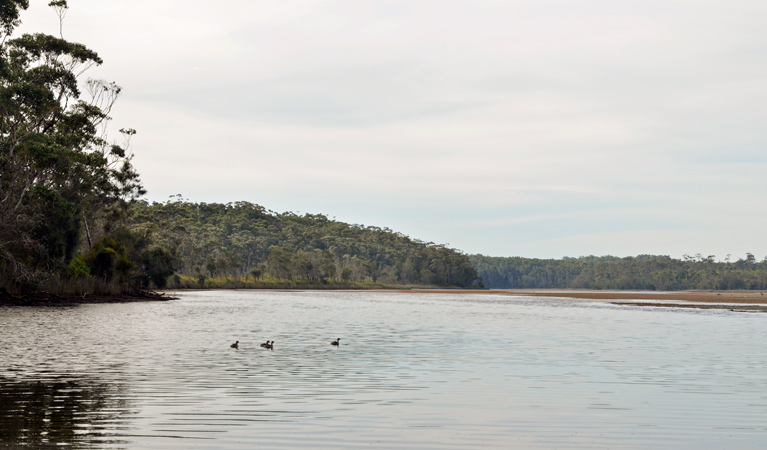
(236, 345)
(268, 345)
(336, 342)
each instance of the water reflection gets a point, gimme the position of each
(79, 412)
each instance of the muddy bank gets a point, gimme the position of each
(751, 297)
(48, 299)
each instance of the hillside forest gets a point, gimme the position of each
(242, 241)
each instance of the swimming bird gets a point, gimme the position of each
(268, 345)
(236, 345)
(336, 342)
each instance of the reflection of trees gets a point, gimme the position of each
(50, 412)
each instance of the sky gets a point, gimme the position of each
(535, 128)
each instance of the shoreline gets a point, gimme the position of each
(737, 301)
(751, 297)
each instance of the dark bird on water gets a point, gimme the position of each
(236, 345)
(268, 345)
(336, 342)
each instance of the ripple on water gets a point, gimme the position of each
(412, 371)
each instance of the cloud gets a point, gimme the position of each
(543, 128)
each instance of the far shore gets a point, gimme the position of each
(755, 297)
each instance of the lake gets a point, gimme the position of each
(428, 371)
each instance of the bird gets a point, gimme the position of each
(336, 342)
(236, 345)
(268, 345)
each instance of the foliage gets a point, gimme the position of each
(78, 267)
(63, 185)
(108, 258)
(644, 272)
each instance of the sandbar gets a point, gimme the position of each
(681, 299)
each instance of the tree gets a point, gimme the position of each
(57, 168)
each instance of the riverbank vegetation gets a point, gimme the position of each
(644, 272)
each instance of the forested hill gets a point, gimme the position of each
(646, 272)
(242, 240)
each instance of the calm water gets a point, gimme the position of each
(413, 371)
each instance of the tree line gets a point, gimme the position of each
(643, 272)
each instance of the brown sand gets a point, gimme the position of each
(756, 300)
(755, 297)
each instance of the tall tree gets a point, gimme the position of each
(57, 168)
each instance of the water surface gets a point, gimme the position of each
(433, 371)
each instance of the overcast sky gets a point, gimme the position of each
(536, 128)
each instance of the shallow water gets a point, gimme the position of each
(413, 371)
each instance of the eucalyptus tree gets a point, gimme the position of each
(57, 167)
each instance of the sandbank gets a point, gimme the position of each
(750, 301)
